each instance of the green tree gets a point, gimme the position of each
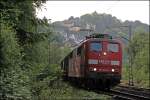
(22, 48)
(13, 81)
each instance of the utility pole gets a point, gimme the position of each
(49, 52)
(130, 60)
(131, 83)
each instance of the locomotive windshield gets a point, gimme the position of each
(95, 46)
(112, 47)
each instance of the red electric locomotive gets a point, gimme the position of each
(97, 61)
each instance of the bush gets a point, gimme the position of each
(13, 82)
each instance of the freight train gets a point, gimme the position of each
(97, 61)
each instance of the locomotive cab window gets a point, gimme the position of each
(95, 46)
(113, 47)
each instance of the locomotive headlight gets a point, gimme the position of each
(94, 69)
(105, 53)
(92, 61)
(114, 62)
(112, 70)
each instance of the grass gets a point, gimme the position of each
(61, 90)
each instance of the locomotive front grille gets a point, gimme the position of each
(97, 75)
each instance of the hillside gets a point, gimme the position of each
(68, 30)
(98, 22)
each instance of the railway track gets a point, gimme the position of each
(122, 92)
(129, 93)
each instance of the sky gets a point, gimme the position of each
(123, 10)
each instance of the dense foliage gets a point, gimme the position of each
(13, 81)
(20, 48)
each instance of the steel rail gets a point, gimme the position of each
(130, 93)
(127, 96)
